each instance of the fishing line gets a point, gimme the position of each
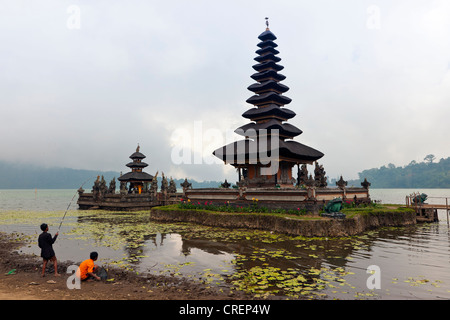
(68, 206)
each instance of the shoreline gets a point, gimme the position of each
(26, 282)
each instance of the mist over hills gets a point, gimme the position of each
(427, 174)
(20, 176)
(25, 176)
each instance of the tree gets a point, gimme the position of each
(415, 175)
(429, 158)
(413, 162)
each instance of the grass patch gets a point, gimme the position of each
(351, 212)
(253, 210)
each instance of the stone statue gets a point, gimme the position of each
(319, 176)
(154, 184)
(96, 189)
(185, 185)
(310, 182)
(225, 185)
(123, 188)
(112, 186)
(164, 184)
(96, 185)
(332, 209)
(172, 186)
(302, 175)
(145, 188)
(103, 188)
(419, 198)
(243, 183)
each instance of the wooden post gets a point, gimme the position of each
(446, 206)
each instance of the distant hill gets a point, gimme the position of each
(427, 174)
(20, 176)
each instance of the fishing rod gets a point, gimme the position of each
(68, 206)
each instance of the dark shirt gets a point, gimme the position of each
(45, 242)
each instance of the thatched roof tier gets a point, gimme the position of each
(136, 165)
(285, 130)
(135, 176)
(251, 151)
(270, 111)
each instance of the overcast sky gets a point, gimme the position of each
(83, 82)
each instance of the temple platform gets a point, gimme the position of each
(312, 200)
(125, 202)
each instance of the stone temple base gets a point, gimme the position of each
(312, 200)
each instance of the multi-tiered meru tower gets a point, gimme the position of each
(266, 157)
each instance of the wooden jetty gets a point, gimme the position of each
(428, 212)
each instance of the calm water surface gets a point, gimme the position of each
(413, 261)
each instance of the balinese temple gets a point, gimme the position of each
(136, 178)
(268, 122)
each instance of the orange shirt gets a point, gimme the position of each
(85, 267)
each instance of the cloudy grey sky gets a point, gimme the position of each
(83, 82)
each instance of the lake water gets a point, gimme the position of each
(408, 262)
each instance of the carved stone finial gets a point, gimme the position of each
(365, 184)
(341, 183)
(225, 185)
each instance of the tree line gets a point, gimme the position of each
(426, 174)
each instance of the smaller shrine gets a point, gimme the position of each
(137, 179)
(138, 190)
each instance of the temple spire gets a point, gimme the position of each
(268, 127)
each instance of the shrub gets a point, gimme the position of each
(254, 207)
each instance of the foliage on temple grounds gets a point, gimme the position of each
(350, 208)
(254, 207)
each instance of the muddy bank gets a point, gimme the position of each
(312, 227)
(26, 283)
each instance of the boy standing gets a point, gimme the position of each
(45, 242)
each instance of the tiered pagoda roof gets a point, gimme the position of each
(269, 113)
(136, 174)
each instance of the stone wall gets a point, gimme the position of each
(313, 200)
(125, 202)
(274, 194)
(319, 227)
